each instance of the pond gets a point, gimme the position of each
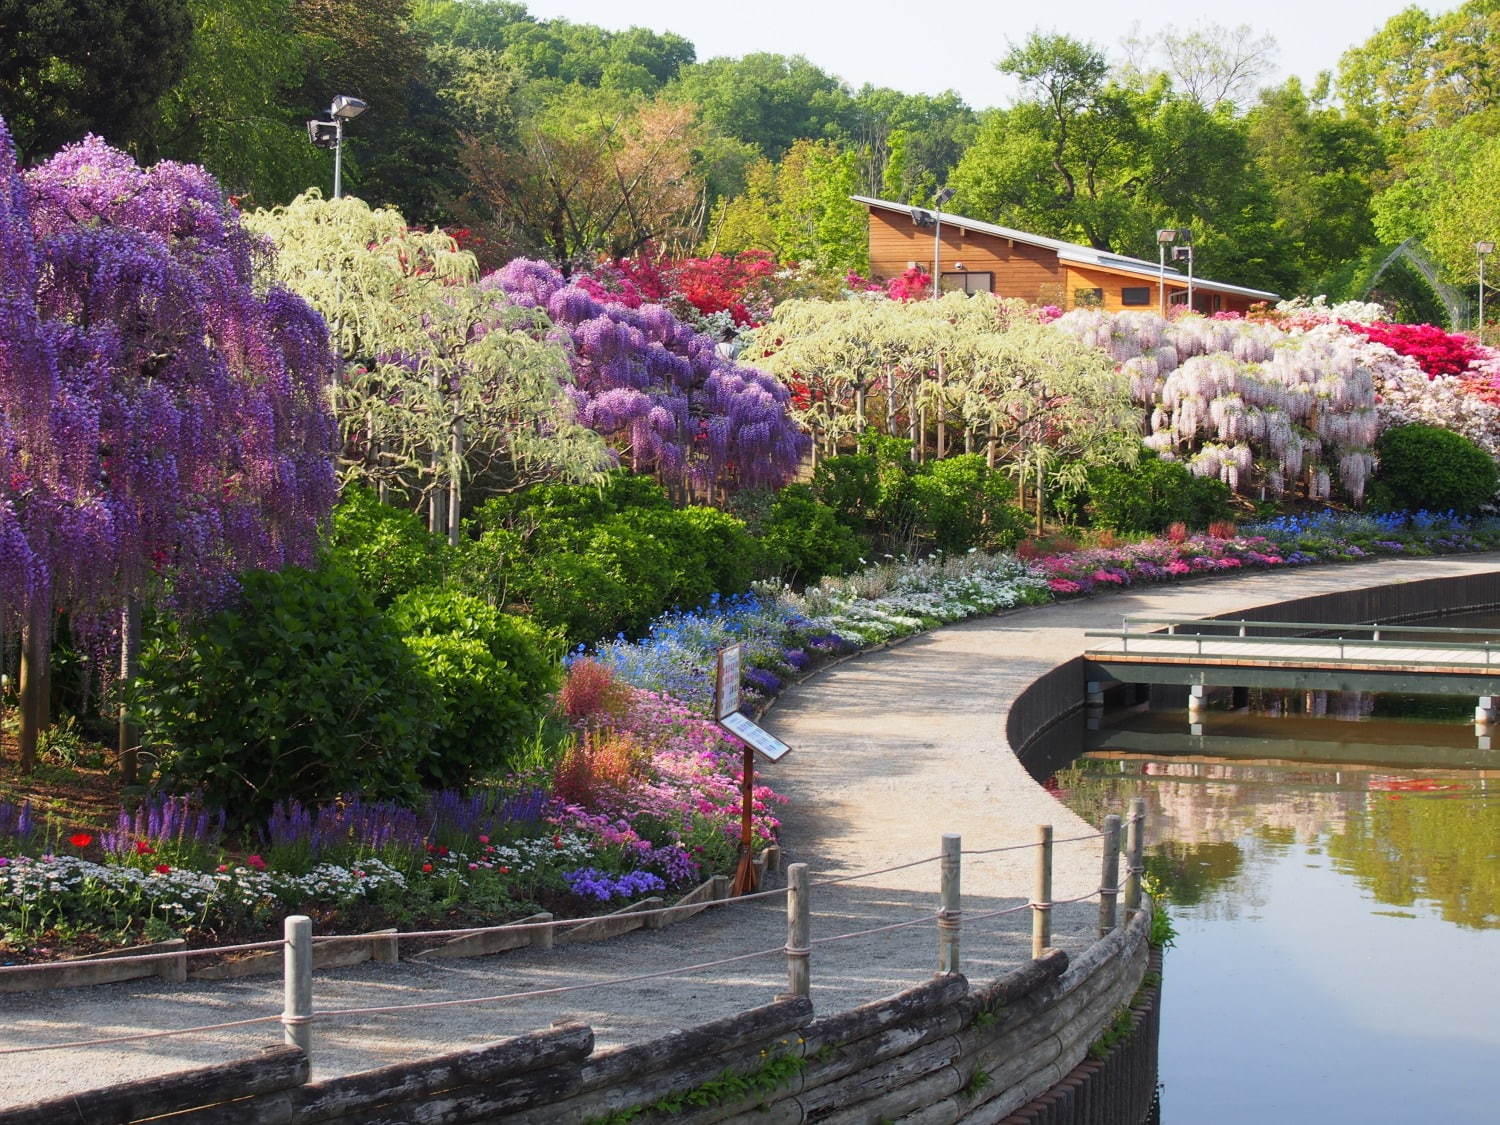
(1333, 866)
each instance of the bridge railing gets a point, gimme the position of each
(1371, 651)
(1178, 626)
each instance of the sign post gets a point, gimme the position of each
(727, 714)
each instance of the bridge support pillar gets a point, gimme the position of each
(1197, 698)
(1485, 711)
(1094, 693)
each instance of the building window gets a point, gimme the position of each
(1088, 298)
(1135, 295)
(968, 282)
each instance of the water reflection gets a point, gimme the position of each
(1335, 877)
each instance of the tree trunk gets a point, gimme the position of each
(128, 743)
(455, 483)
(993, 442)
(1041, 494)
(33, 657)
(942, 415)
(912, 422)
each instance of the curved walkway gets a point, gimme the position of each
(891, 749)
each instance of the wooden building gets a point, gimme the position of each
(979, 256)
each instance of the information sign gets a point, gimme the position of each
(766, 744)
(727, 682)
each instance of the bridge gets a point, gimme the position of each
(1298, 655)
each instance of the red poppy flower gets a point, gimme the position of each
(80, 839)
(143, 848)
(426, 867)
(256, 862)
(163, 868)
(442, 851)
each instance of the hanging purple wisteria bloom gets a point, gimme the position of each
(660, 391)
(163, 420)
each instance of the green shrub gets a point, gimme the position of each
(1152, 494)
(716, 545)
(803, 540)
(304, 690)
(962, 503)
(559, 516)
(1425, 467)
(389, 550)
(850, 485)
(594, 562)
(488, 676)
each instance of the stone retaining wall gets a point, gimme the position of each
(945, 1051)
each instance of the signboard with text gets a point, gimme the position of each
(727, 681)
(766, 744)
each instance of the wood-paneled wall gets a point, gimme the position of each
(1030, 273)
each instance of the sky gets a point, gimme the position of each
(928, 48)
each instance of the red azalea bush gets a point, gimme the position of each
(740, 284)
(1436, 352)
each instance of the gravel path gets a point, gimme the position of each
(891, 749)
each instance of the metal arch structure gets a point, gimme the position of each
(1455, 302)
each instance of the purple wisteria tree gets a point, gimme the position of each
(163, 419)
(662, 394)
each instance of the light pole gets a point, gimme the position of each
(943, 195)
(330, 134)
(1186, 251)
(1164, 238)
(1484, 248)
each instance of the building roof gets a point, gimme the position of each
(1078, 255)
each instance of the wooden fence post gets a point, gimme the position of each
(1135, 832)
(949, 911)
(798, 931)
(1041, 901)
(297, 960)
(1109, 880)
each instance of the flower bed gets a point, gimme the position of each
(646, 801)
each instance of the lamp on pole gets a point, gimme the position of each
(943, 195)
(1164, 238)
(1484, 248)
(330, 134)
(1185, 236)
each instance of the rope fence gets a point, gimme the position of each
(298, 1014)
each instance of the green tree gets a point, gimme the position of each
(70, 67)
(593, 174)
(1421, 71)
(770, 101)
(228, 110)
(1321, 167)
(800, 210)
(908, 143)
